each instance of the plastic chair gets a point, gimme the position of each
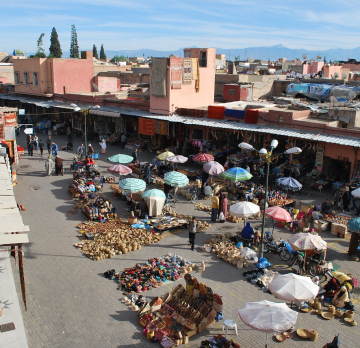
(230, 324)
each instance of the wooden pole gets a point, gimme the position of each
(22, 277)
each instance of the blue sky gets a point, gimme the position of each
(169, 25)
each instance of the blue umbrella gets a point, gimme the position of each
(289, 183)
(354, 225)
(132, 185)
(153, 193)
(120, 158)
(237, 174)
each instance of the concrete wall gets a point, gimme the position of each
(72, 75)
(104, 68)
(353, 114)
(128, 78)
(107, 84)
(186, 97)
(7, 72)
(237, 92)
(313, 67)
(330, 71)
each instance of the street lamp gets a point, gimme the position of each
(268, 157)
(85, 112)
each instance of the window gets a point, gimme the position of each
(35, 79)
(232, 91)
(186, 54)
(26, 78)
(202, 60)
(281, 119)
(16, 78)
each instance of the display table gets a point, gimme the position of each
(167, 223)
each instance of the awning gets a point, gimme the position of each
(345, 119)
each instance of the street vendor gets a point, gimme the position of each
(247, 232)
(142, 208)
(326, 206)
(90, 150)
(89, 162)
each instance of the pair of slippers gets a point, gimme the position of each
(21, 207)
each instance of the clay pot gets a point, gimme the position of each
(349, 314)
(313, 335)
(339, 313)
(331, 309)
(317, 305)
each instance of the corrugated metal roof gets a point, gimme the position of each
(236, 126)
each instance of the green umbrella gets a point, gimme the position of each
(120, 158)
(153, 193)
(132, 185)
(237, 174)
(176, 179)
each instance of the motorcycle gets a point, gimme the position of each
(300, 265)
(273, 247)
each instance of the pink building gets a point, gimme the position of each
(332, 71)
(187, 82)
(39, 76)
(312, 67)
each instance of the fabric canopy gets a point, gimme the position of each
(176, 179)
(237, 174)
(120, 158)
(307, 241)
(354, 225)
(244, 209)
(203, 157)
(213, 168)
(293, 287)
(132, 185)
(163, 156)
(278, 214)
(289, 183)
(154, 193)
(120, 169)
(356, 193)
(177, 159)
(268, 316)
(155, 205)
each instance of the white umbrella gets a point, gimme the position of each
(307, 241)
(244, 209)
(356, 193)
(291, 287)
(268, 316)
(177, 159)
(213, 168)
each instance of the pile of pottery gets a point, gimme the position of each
(113, 237)
(154, 273)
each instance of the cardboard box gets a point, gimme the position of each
(321, 225)
(334, 228)
(342, 234)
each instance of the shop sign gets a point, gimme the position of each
(28, 131)
(319, 157)
(21, 111)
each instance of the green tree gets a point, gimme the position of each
(55, 48)
(102, 52)
(74, 46)
(40, 53)
(95, 53)
(19, 53)
(119, 59)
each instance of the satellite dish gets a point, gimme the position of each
(96, 89)
(336, 75)
(312, 60)
(318, 57)
(304, 56)
(344, 76)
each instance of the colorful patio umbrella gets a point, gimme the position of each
(120, 169)
(278, 214)
(176, 179)
(307, 241)
(354, 225)
(177, 159)
(293, 287)
(203, 157)
(213, 168)
(237, 174)
(120, 158)
(153, 193)
(289, 183)
(163, 156)
(132, 185)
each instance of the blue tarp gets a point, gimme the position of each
(235, 113)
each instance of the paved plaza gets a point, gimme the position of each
(71, 304)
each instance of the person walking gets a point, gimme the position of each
(223, 206)
(48, 144)
(214, 207)
(54, 149)
(135, 155)
(103, 147)
(81, 152)
(31, 147)
(192, 230)
(58, 164)
(123, 140)
(90, 150)
(346, 199)
(41, 147)
(148, 174)
(36, 142)
(49, 165)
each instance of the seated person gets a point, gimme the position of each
(69, 145)
(249, 196)
(247, 232)
(316, 215)
(326, 206)
(142, 207)
(74, 164)
(331, 287)
(341, 298)
(208, 190)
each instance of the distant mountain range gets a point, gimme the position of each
(265, 52)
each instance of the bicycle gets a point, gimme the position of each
(194, 197)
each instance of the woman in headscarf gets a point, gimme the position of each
(49, 165)
(223, 205)
(247, 231)
(341, 298)
(103, 146)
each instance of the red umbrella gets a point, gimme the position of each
(278, 214)
(203, 157)
(120, 169)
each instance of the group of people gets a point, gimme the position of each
(219, 205)
(34, 143)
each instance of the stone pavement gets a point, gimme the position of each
(71, 304)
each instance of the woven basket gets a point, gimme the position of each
(339, 313)
(331, 309)
(313, 335)
(349, 314)
(303, 333)
(188, 195)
